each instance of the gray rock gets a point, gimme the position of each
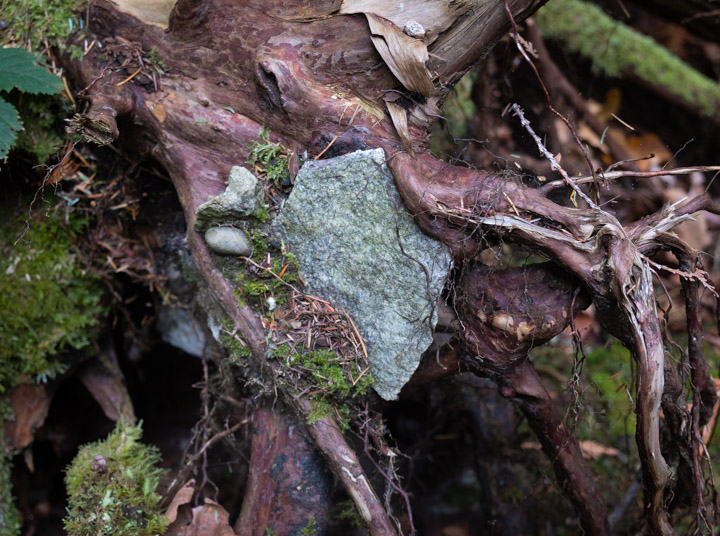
(244, 197)
(179, 328)
(340, 222)
(228, 241)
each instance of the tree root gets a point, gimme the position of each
(607, 260)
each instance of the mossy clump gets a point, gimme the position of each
(616, 49)
(111, 487)
(270, 158)
(328, 378)
(329, 375)
(256, 287)
(40, 22)
(40, 136)
(49, 301)
(9, 518)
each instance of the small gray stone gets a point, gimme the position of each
(244, 197)
(179, 328)
(414, 29)
(342, 222)
(228, 241)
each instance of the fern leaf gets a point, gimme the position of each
(9, 126)
(18, 70)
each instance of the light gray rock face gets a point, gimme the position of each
(243, 198)
(228, 241)
(179, 328)
(341, 222)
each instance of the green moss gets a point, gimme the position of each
(50, 302)
(271, 157)
(237, 352)
(311, 528)
(348, 512)
(331, 384)
(9, 518)
(41, 115)
(256, 286)
(263, 214)
(458, 110)
(40, 21)
(616, 49)
(111, 487)
(608, 369)
(329, 375)
(320, 408)
(37, 24)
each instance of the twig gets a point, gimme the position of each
(387, 477)
(571, 128)
(129, 77)
(268, 270)
(543, 150)
(610, 175)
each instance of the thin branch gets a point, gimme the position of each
(611, 175)
(555, 165)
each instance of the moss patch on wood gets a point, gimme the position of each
(50, 301)
(616, 50)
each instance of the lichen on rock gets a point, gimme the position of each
(357, 247)
(243, 198)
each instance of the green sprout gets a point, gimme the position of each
(271, 157)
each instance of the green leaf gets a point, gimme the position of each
(9, 126)
(18, 69)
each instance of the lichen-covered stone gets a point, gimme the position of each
(228, 241)
(244, 197)
(341, 221)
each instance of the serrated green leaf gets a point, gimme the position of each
(18, 70)
(9, 126)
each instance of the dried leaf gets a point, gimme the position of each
(183, 496)
(398, 114)
(30, 405)
(156, 12)
(404, 55)
(593, 450)
(210, 519)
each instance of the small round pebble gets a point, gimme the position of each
(228, 241)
